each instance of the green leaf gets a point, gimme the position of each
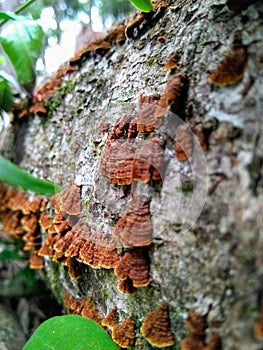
(6, 96)
(13, 175)
(143, 5)
(22, 41)
(10, 79)
(2, 60)
(8, 15)
(70, 332)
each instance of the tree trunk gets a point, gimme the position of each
(206, 211)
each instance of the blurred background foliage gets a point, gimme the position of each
(66, 21)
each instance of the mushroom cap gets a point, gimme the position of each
(156, 327)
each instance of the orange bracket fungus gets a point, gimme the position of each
(232, 68)
(156, 327)
(134, 229)
(69, 201)
(171, 64)
(126, 286)
(184, 142)
(84, 307)
(124, 333)
(173, 97)
(134, 264)
(196, 325)
(111, 319)
(146, 120)
(258, 329)
(127, 158)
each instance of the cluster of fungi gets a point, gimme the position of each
(134, 152)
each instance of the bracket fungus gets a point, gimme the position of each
(69, 200)
(124, 333)
(171, 64)
(146, 120)
(125, 286)
(258, 329)
(134, 229)
(84, 307)
(232, 68)
(111, 319)
(174, 96)
(156, 327)
(134, 264)
(196, 325)
(184, 142)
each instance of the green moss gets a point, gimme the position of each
(187, 186)
(54, 272)
(105, 294)
(56, 100)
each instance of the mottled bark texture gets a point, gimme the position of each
(207, 211)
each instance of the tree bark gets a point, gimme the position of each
(207, 238)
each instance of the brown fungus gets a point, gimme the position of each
(149, 160)
(147, 121)
(73, 268)
(45, 221)
(202, 136)
(124, 333)
(156, 327)
(69, 200)
(258, 328)
(135, 24)
(11, 223)
(111, 319)
(171, 64)
(231, 69)
(184, 142)
(134, 229)
(36, 261)
(135, 265)
(126, 286)
(192, 342)
(196, 323)
(173, 97)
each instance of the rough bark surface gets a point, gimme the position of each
(207, 248)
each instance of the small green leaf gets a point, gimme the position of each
(70, 332)
(6, 96)
(13, 175)
(8, 15)
(143, 5)
(22, 41)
